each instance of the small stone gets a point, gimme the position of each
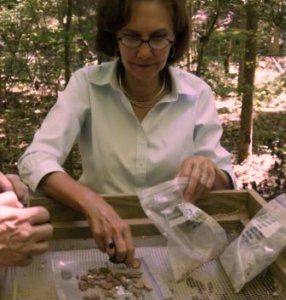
(83, 286)
(84, 277)
(136, 264)
(134, 274)
(147, 285)
(66, 275)
(92, 271)
(106, 285)
(139, 284)
(275, 294)
(104, 270)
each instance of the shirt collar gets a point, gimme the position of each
(106, 73)
(182, 82)
(103, 74)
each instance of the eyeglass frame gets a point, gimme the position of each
(143, 41)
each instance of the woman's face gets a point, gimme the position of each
(148, 19)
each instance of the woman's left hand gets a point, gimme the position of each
(202, 174)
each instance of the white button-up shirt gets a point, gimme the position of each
(120, 154)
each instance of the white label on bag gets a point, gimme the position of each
(266, 224)
(177, 221)
(176, 217)
(186, 213)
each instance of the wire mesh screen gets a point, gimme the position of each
(209, 282)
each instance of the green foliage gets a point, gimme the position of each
(32, 64)
(32, 36)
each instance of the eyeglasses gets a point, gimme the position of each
(157, 43)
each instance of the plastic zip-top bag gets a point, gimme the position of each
(193, 237)
(259, 244)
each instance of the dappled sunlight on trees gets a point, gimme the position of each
(42, 42)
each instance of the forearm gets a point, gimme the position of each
(62, 187)
(105, 224)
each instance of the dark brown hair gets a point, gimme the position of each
(112, 15)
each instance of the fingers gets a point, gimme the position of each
(130, 248)
(39, 248)
(19, 187)
(10, 199)
(110, 245)
(189, 170)
(23, 234)
(13, 182)
(36, 215)
(124, 247)
(201, 174)
(42, 233)
(120, 248)
(100, 238)
(5, 184)
(27, 226)
(112, 234)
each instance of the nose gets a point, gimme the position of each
(144, 51)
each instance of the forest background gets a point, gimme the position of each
(237, 46)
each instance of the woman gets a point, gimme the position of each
(137, 120)
(23, 232)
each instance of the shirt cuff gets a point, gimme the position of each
(32, 170)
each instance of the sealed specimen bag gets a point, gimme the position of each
(259, 244)
(193, 237)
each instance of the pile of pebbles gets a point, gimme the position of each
(114, 283)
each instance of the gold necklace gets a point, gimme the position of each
(143, 102)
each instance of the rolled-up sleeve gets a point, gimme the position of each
(208, 132)
(57, 134)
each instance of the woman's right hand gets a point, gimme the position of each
(111, 233)
(106, 225)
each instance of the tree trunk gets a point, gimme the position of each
(227, 55)
(274, 47)
(68, 38)
(191, 12)
(242, 47)
(246, 126)
(203, 41)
